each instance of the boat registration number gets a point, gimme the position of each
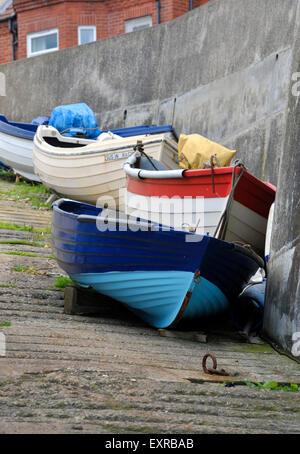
(119, 155)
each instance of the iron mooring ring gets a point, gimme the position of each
(212, 370)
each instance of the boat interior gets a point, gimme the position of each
(147, 163)
(55, 142)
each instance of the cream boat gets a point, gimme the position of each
(91, 171)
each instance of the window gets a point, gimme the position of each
(87, 34)
(42, 42)
(138, 23)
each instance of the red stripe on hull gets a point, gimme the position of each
(255, 194)
(251, 192)
(195, 183)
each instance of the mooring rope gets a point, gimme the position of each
(140, 147)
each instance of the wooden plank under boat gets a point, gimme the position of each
(89, 170)
(160, 274)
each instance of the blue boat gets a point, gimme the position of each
(16, 147)
(160, 274)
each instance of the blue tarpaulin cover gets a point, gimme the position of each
(74, 119)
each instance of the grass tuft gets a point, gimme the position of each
(25, 228)
(274, 386)
(35, 192)
(25, 254)
(28, 269)
(62, 281)
(24, 243)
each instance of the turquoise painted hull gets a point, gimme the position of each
(159, 297)
(206, 300)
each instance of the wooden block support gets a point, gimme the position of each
(80, 301)
(52, 198)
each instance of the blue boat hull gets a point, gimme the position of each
(161, 275)
(17, 129)
(248, 309)
(158, 297)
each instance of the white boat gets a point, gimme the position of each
(269, 232)
(91, 171)
(16, 147)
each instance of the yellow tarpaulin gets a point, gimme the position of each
(195, 152)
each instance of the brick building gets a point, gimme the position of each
(7, 20)
(33, 27)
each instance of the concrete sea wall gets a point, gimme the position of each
(282, 313)
(229, 65)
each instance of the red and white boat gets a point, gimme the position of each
(228, 203)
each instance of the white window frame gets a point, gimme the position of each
(87, 27)
(40, 34)
(138, 21)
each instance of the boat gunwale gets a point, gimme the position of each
(241, 249)
(153, 175)
(92, 219)
(42, 146)
(17, 137)
(10, 129)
